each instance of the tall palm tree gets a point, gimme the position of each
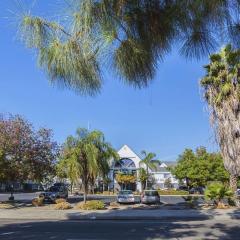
(89, 153)
(148, 162)
(221, 87)
(129, 36)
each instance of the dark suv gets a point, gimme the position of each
(54, 192)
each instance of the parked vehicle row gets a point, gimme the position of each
(147, 197)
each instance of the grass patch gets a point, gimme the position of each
(173, 192)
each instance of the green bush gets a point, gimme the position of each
(63, 206)
(91, 205)
(216, 192)
(173, 192)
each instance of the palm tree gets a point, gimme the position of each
(148, 162)
(221, 87)
(129, 36)
(89, 153)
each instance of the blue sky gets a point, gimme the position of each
(165, 118)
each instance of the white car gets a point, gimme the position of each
(125, 196)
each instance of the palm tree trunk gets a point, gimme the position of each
(147, 180)
(233, 182)
(85, 187)
(233, 185)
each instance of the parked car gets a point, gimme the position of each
(238, 193)
(54, 192)
(150, 196)
(197, 190)
(125, 196)
(183, 188)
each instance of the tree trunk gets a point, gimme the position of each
(233, 185)
(233, 182)
(85, 187)
(147, 180)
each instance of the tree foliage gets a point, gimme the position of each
(217, 191)
(25, 154)
(130, 36)
(125, 178)
(197, 169)
(221, 87)
(85, 157)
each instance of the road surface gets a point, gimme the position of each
(118, 230)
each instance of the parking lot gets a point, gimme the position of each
(27, 197)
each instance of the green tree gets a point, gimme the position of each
(147, 161)
(134, 35)
(86, 157)
(221, 87)
(168, 183)
(197, 169)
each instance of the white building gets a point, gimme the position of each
(130, 163)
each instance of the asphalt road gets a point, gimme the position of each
(27, 197)
(104, 230)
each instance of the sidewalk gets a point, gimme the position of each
(73, 214)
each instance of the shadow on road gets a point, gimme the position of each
(142, 230)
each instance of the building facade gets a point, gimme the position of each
(130, 162)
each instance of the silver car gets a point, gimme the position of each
(150, 196)
(125, 196)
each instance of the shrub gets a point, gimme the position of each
(217, 192)
(91, 205)
(60, 200)
(37, 202)
(63, 206)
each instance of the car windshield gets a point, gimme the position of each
(53, 189)
(125, 192)
(151, 193)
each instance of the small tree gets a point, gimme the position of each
(168, 183)
(86, 157)
(148, 162)
(217, 192)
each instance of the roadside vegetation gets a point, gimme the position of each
(91, 205)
